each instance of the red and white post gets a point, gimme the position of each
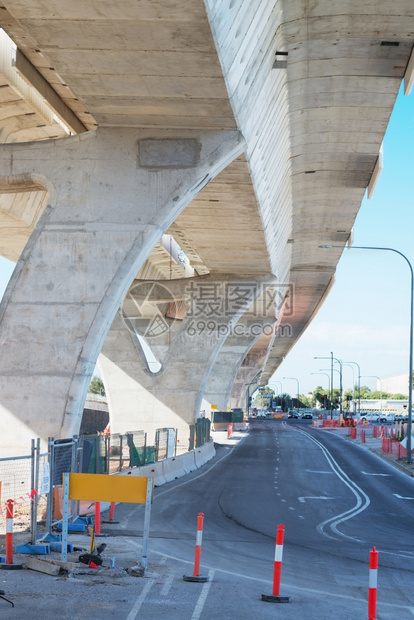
(372, 591)
(9, 531)
(8, 564)
(199, 539)
(277, 570)
(97, 518)
(196, 573)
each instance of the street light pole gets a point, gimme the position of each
(340, 386)
(294, 379)
(333, 370)
(326, 375)
(332, 385)
(353, 381)
(254, 382)
(359, 385)
(280, 383)
(410, 364)
(332, 358)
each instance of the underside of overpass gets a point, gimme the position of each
(208, 147)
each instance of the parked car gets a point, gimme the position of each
(371, 417)
(401, 417)
(378, 416)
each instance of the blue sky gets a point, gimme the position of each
(366, 316)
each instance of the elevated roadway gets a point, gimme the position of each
(244, 133)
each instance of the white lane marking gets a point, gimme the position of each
(167, 585)
(314, 471)
(400, 554)
(203, 596)
(292, 586)
(401, 497)
(302, 499)
(362, 499)
(134, 611)
(367, 473)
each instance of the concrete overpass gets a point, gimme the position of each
(247, 132)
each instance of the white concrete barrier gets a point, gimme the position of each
(174, 467)
(187, 463)
(241, 426)
(199, 458)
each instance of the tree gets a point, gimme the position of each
(306, 400)
(264, 397)
(96, 386)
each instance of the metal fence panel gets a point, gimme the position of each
(202, 429)
(15, 479)
(162, 436)
(34, 481)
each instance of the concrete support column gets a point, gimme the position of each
(172, 397)
(230, 359)
(249, 371)
(113, 193)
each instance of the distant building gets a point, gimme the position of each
(394, 385)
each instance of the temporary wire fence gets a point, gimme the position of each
(392, 446)
(15, 484)
(19, 482)
(34, 481)
(391, 437)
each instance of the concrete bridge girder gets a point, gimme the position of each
(113, 192)
(173, 395)
(231, 358)
(310, 118)
(249, 374)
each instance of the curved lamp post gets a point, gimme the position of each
(410, 364)
(340, 379)
(326, 375)
(294, 379)
(375, 377)
(359, 384)
(353, 379)
(332, 358)
(280, 383)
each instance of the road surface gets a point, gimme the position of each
(336, 500)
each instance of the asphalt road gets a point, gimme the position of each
(335, 499)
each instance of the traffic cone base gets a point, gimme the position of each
(271, 598)
(198, 579)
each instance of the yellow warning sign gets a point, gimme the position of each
(104, 488)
